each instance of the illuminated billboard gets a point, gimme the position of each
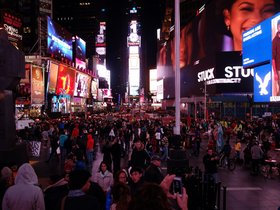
(59, 42)
(53, 72)
(94, 88)
(13, 26)
(134, 74)
(82, 85)
(257, 44)
(37, 85)
(26, 79)
(261, 50)
(100, 43)
(153, 80)
(80, 53)
(210, 53)
(263, 84)
(104, 73)
(65, 80)
(134, 38)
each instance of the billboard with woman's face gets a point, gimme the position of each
(65, 80)
(211, 48)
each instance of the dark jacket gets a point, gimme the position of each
(139, 158)
(153, 174)
(54, 194)
(210, 165)
(96, 191)
(83, 202)
(134, 187)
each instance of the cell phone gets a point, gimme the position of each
(177, 185)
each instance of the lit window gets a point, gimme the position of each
(27, 30)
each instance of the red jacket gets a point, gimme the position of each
(90, 143)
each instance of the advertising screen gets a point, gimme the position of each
(209, 46)
(261, 49)
(80, 49)
(37, 85)
(53, 72)
(257, 45)
(59, 41)
(134, 39)
(232, 72)
(13, 26)
(94, 88)
(80, 64)
(26, 79)
(262, 83)
(80, 53)
(82, 85)
(100, 40)
(24, 88)
(65, 80)
(100, 43)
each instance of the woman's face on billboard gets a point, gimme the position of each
(245, 14)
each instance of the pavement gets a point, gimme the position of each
(244, 192)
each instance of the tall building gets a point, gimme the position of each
(30, 13)
(80, 18)
(83, 18)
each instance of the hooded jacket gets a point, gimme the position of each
(24, 195)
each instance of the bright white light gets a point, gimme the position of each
(133, 50)
(158, 33)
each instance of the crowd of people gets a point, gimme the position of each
(144, 143)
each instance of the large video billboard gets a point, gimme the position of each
(211, 51)
(80, 53)
(94, 88)
(59, 42)
(263, 84)
(261, 50)
(82, 85)
(257, 45)
(100, 43)
(53, 72)
(65, 80)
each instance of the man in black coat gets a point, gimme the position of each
(116, 151)
(139, 157)
(210, 161)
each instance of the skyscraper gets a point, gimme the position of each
(83, 18)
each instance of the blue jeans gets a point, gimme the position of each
(89, 158)
(164, 153)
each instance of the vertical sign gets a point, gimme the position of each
(37, 85)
